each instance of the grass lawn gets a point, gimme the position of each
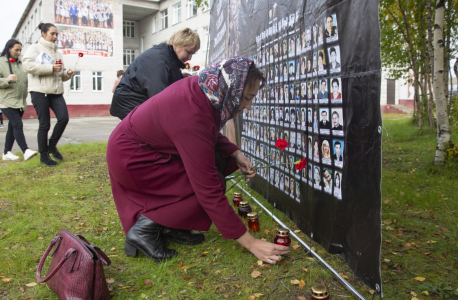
(419, 232)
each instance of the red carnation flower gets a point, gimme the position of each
(282, 144)
(187, 65)
(196, 68)
(12, 60)
(80, 54)
(301, 165)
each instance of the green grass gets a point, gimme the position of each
(36, 202)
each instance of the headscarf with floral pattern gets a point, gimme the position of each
(223, 84)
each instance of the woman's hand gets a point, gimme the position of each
(57, 68)
(186, 74)
(12, 77)
(244, 164)
(71, 73)
(265, 251)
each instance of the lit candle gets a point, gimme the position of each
(319, 292)
(282, 237)
(237, 198)
(244, 208)
(253, 221)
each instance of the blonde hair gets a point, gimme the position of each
(185, 37)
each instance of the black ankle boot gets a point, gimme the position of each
(181, 236)
(55, 154)
(145, 236)
(45, 159)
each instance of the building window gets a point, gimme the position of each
(128, 29)
(75, 82)
(191, 7)
(40, 12)
(207, 6)
(154, 23)
(97, 82)
(177, 13)
(129, 56)
(206, 38)
(164, 16)
(36, 18)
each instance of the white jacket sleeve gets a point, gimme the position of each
(31, 67)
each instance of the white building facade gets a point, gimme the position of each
(110, 34)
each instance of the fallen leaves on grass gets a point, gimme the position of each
(420, 278)
(295, 247)
(147, 282)
(256, 274)
(344, 276)
(110, 280)
(7, 279)
(294, 282)
(260, 262)
(301, 284)
(304, 270)
(31, 284)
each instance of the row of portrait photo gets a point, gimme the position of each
(320, 178)
(259, 118)
(325, 29)
(289, 67)
(316, 148)
(311, 92)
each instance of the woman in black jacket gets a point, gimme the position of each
(153, 71)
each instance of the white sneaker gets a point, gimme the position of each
(29, 154)
(10, 156)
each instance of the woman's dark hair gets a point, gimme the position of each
(6, 51)
(255, 74)
(119, 73)
(336, 81)
(44, 27)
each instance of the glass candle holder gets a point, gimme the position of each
(319, 292)
(237, 198)
(58, 61)
(282, 237)
(253, 221)
(244, 209)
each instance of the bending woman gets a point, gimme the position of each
(13, 95)
(161, 160)
(46, 88)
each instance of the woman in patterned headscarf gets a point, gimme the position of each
(167, 161)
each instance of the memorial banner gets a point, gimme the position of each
(323, 68)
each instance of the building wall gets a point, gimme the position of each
(82, 103)
(197, 23)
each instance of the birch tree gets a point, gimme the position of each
(443, 126)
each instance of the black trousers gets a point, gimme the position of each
(15, 130)
(42, 103)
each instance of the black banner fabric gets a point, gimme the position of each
(323, 69)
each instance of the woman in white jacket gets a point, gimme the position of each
(45, 84)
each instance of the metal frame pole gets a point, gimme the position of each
(334, 272)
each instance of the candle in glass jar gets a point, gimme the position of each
(253, 221)
(282, 237)
(319, 292)
(237, 198)
(244, 208)
(58, 61)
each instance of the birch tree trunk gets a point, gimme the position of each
(443, 126)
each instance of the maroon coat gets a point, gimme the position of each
(161, 160)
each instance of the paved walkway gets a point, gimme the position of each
(79, 130)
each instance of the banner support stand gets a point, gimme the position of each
(334, 272)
